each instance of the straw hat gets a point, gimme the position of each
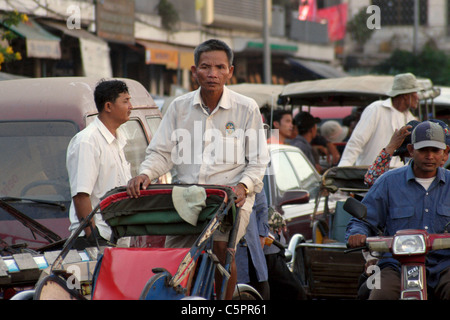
(404, 83)
(333, 131)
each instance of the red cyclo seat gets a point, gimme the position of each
(124, 272)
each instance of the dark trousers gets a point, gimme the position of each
(93, 240)
(282, 282)
(261, 286)
(390, 286)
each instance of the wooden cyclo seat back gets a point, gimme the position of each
(123, 272)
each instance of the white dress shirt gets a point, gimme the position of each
(225, 147)
(373, 132)
(96, 164)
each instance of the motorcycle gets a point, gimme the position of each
(409, 247)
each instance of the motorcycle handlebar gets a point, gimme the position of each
(355, 249)
(441, 243)
(384, 244)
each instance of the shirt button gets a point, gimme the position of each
(426, 210)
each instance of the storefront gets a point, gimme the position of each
(83, 53)
(169, 66)
(39, 48)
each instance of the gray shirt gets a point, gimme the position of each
(306, 147)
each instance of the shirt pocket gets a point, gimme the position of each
(401, 218)
(127, 170)
(442, 218)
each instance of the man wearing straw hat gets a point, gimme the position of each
(379, 120)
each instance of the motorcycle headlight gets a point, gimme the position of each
(409, 244)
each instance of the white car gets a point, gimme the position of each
(292, 185)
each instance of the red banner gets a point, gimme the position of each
(337, 20)
(307, 10)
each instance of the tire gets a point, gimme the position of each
(246, 292)
(245, 296)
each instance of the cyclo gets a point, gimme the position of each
(153, 273)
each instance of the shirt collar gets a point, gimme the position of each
(441, 174)
(410, 173)
(388, 103)
(224, 101)
(109, 137)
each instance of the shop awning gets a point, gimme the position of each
(318, 70)
(40, 43)
(173, 57)
(286, 47)
(94, 50)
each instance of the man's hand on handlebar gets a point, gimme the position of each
(138, 183)
(356, 241)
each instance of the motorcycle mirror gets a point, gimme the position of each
(359, 211)
(355, 208)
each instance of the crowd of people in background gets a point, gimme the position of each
(322, 141)
(384, 136)
(355, 139)
(376, 136)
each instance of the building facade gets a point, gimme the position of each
(152, 41)
(398, 29)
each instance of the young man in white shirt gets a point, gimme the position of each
(96, 161)
(282, 127)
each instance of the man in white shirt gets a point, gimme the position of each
(96, 161)
(379, 121)
(211, 136)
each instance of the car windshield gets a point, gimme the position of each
(33, 159)
(293, 171)
(34, 182)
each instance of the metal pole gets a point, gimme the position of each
(416, 27)
(267, 53)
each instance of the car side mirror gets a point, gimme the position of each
(294, 197)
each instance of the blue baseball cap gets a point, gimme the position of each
(446, 129)
(428, 134)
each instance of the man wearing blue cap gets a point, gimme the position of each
(416, 196)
